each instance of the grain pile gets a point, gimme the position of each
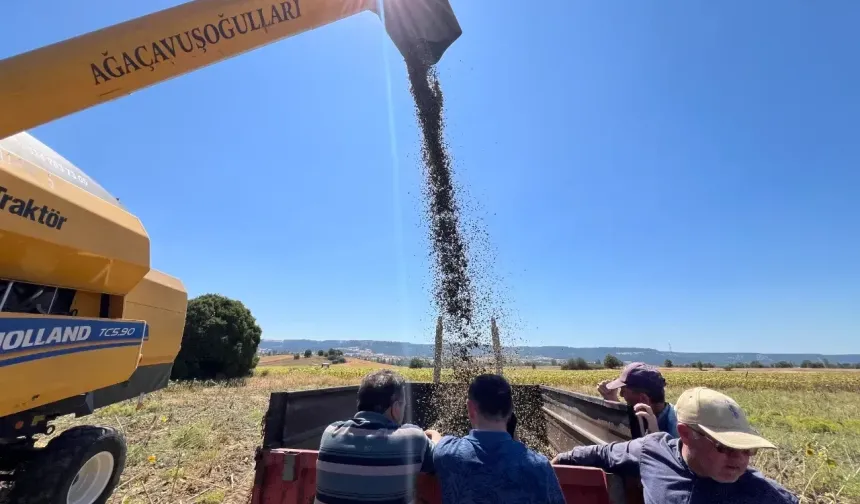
(460, 307)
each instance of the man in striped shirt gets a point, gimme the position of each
(372, 458)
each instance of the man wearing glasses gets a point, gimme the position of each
(707, 464)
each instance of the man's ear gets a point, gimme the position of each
(685, 433)
(401, 409)
(472, 408)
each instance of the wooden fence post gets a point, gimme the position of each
(497, 345)
(437, 353)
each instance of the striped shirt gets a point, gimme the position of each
(370, 458)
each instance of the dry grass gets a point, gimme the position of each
(194, 443)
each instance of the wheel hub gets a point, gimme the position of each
(92, 479)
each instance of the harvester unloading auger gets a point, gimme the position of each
(84, 320)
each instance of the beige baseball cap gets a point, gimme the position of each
(720, 417)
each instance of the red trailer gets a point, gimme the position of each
(286, 462)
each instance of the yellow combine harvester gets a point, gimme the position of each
(84, 319)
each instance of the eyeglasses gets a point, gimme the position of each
(721, 448)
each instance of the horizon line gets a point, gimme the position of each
(583, 347)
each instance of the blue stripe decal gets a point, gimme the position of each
(65, 351)
(18, 334)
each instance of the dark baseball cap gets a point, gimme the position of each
(640, 376)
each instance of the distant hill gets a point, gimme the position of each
(649, 355)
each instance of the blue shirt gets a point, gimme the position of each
(668, 421)
(490, 467)
(370, 458)
(666, 479)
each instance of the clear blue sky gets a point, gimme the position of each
(648, 172)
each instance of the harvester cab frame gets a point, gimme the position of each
(85, 321)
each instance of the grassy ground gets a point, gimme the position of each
(195, 442)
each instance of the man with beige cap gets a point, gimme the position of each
(707, 463)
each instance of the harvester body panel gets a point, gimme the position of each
(47, 359)
(81, 311)
(56, 232)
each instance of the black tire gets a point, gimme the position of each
(47, 477)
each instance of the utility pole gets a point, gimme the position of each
(497, 345)
(437, 353)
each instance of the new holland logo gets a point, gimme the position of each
(14, 340)
(28, 209)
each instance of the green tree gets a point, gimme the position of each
(612, 362)
(320, 352)
(220, 340)
(308, 353)
(416, 363)
(577, 364)
(668, 363)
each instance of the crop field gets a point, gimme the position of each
(194, 442)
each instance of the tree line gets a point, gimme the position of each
(613, 362)
(221, 338)
(333, 355)
(580, 364)
(822, 364)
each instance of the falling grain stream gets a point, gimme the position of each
(454, 291)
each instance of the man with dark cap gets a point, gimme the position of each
(644, 389)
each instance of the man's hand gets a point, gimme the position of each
(645, 412)
(557, 459)
(434, 436)
(609, 395)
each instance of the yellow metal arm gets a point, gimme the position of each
(63, 78)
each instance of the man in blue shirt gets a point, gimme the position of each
(707, 464)
(488, 466)
(644, 389)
